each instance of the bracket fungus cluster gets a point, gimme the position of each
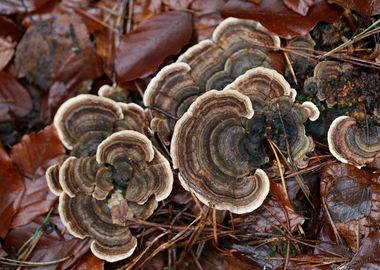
(218, 145)
(218, 107)
(114, 173)
(235, 47)
(351, 143)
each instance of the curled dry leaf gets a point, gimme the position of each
(292, 24)
(15, 100)
(7, 49)
(142, 51)
(33, 155)
(363, 7)
(8, 7)
(299, 6)
(58, 40)
(273, 214)
(54, 243)
(366, 257)
(11, 191)
(352, 197)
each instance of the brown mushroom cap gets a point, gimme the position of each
(236, 46)
(84, 216)
(52, 179)
(208, 150)
(100, 194)
(350, 143)
(85, 113)
(115, 93)
(272, 95)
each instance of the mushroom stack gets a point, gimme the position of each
(353, 139)
(217, 108)
(235, 47)
(114, 173)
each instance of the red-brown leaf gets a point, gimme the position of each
(367, 256)
(23, 6)
(50, 247)
(11, 191)
(363, 7)
(279, 19)
(299, 6)
(141, 52)
(15, 101)
(48, 47)
(33, 155)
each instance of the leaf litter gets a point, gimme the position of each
(83, 45)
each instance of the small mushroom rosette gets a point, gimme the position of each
(352, 142)
(236, 46)
(219, 144)
(117, 175)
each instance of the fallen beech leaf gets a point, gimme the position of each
(299, 6)
(327, 243)
(47, 46)
(11, 191)
(353, 199)
(366, 257)
(89, 262)
(270, 12)
(10, 29)
(15, 101)
(7, 49)
(33, 155)
(273, 214)
(211, 259)
(363, 7)
(8, 7)
(142, 51)
(36, 151)
(50, 247)
(2, 252)
(75, 76)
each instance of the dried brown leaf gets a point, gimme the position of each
(89, 262)
(299, 6)
(7, 49)
(276, 212)
(10, 29)
(367, 256)
(142, 51)
(51, 246)
(11, 191)
(33, 155)
(48, 47)
(279, 19)
(8, 7)
(352, 197)
(15, 101)
(363, 7)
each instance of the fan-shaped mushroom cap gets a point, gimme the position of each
(326, 76)
(271, 95)
(78, 175)
(208, 148)
(99, 194)
(134, 118)
(52, 179)
(350, 143)
(115, 93)
(83, 114)
(263, 83)
(84, 216)
(135, 160)
(236, 46)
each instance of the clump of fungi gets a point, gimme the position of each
(217, 108)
